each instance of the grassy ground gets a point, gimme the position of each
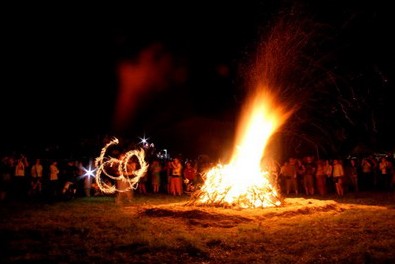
(358, 228)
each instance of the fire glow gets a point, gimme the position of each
(243, 182)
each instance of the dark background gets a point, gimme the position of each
(188, 65)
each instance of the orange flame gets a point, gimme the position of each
(243, 182)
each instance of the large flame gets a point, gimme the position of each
(243, 182)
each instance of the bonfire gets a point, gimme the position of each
(244, 182)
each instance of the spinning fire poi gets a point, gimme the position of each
(110, 170)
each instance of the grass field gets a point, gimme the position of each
(158, 228)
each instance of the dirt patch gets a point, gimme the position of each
(191, 214)
(206, 216)
(196, 217)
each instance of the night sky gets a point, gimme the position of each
(177, 73)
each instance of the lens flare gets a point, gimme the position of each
(88, 172)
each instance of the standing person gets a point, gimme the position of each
(87, 175)
(87, 185)
(391, 176)
(155, 171)
(142, 184)
(309, 170)
(70, 174)
(338, 176)
(320, 177)
(366, 180)
(168, 170)
(329, 176)
(125, 192)
(384, 175)
(375, 171)
(6, 171)
(300, 174)
(20, 181)
(290, 175)
(281, 177)
(36, 172)
(392, 181)
(176, 177)
(189, 174)
(53, 179)
(351, 173)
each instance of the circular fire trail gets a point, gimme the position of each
(110, 170)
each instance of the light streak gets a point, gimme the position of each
(109, 170)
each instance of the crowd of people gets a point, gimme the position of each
(25, 179)
(174, 176)
(311, 176)
(22, 178)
